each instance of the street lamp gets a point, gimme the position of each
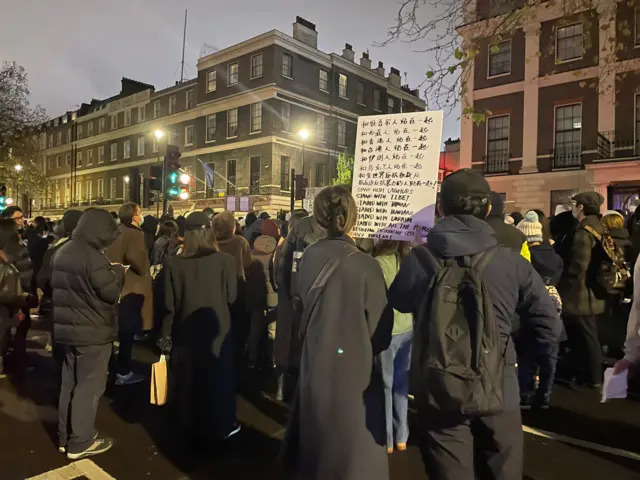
(304, 134)
(159, 134)
(126, 179)
(18, 168)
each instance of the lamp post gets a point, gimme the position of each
(304, 135)
(159, 134)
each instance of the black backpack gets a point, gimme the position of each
(612, 275)
(457, 360)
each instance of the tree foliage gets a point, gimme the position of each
(19, 132)
(344, 168)
(434, 27)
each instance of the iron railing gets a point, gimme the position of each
(616, 144)
(496, 163)
(567, 157)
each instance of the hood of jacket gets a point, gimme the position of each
(265, 245)
(619, 234)
(461, 235)
(150, 224)
(97, 227)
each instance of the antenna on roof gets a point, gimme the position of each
(184, 41)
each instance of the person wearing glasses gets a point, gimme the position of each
(18, 256)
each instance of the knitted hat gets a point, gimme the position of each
(531, 227)
(612, 212)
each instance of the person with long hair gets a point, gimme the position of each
(337, 423)
(200, 284)
(396, 359)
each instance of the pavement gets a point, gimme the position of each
(579, 438)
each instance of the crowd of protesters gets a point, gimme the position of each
(474, 322)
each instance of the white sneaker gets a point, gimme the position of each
(130, 378)
(99, 445)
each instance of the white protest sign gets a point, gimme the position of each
(395, 174)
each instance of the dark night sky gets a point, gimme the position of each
(76, 50)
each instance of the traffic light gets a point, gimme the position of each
(3, 196)
(301, 185)
(155, 178)
(149, 197)
(172, 161)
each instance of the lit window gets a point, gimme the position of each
(188, 135)
(568, 136)
(342, 85)
(256, 117)
(500, 58)
(342, 133)
(211, 81)
(287, 65)
(497, 160)
(569, 43)
(323, 80)
(256, 66)
(232, 74)
(286, 117)
(211, 127)
(232, 123)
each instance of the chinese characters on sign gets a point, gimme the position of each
(395, 174)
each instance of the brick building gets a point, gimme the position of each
(563, 94)
(241, 115)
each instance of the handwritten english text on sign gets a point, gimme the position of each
(395, 174)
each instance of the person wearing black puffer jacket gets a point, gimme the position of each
(86, 288)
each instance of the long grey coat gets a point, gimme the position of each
(337, 424)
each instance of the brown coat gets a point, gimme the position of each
(129, 249)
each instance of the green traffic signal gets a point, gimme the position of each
(173, 177)
(173, 191)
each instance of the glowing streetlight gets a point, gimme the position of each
(126, 179)
(159, 134)
(304, 134)
(18, 168)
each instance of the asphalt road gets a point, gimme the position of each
(146, 448)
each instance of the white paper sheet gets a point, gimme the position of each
(615, 386)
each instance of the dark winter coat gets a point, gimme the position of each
(261, 294)
(546, 262)
(198, 291)
(337, 426)
(18, 256)
(150, 229)
(162, 249)
(580, 272)
(44, 275)
(37, 247)
(129, 249)
(509, 236)
(512, 283)
(12, 297)
(86, 287)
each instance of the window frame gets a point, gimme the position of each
(343, 89)
(326, 80)
(89, 156)
(189, 128)
(555, 131)
(321, 133)
(58, 161)
(231, 75)
(114, 122)
(558, 60)
(290, 67)
(491, 55)
(342, 123)
(101, 125)
(173, 104)
(59, 137)
(88, 187)
(144, 147)
(78, 195)
(255, 106)
(100, 191)
(79, 159)
(285, 173)
(379, 99)
(113, 188)
(157, 109)
(113, 148)
(90, 128)
(126, 154)
(67, 159)
(254, 189)
(288, 116)
(231, 185)
(212, 79)
(127, 117)
(320, 169)
(361, 90)
(101, 154)
(254, 67)
(495, 140)
(142, 113)
(391, 104)
(235, 135)
(79, 132)
(211, 139)
(188, 99)
(155, 145)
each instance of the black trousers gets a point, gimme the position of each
(465, 448)
(129, 323)
(586, 352)
(84, 378)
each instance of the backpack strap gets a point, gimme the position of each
(482, 259)
(593, 232)
(426, 256)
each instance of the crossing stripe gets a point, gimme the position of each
(82, 468)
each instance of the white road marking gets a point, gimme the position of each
(77, 469)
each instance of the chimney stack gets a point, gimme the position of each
(394, 77)
(365, 61)
(380, 69)
(348, 53)
(305, 32)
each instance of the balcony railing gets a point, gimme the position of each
(496, 163)
(567, 157)
(615, 144)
